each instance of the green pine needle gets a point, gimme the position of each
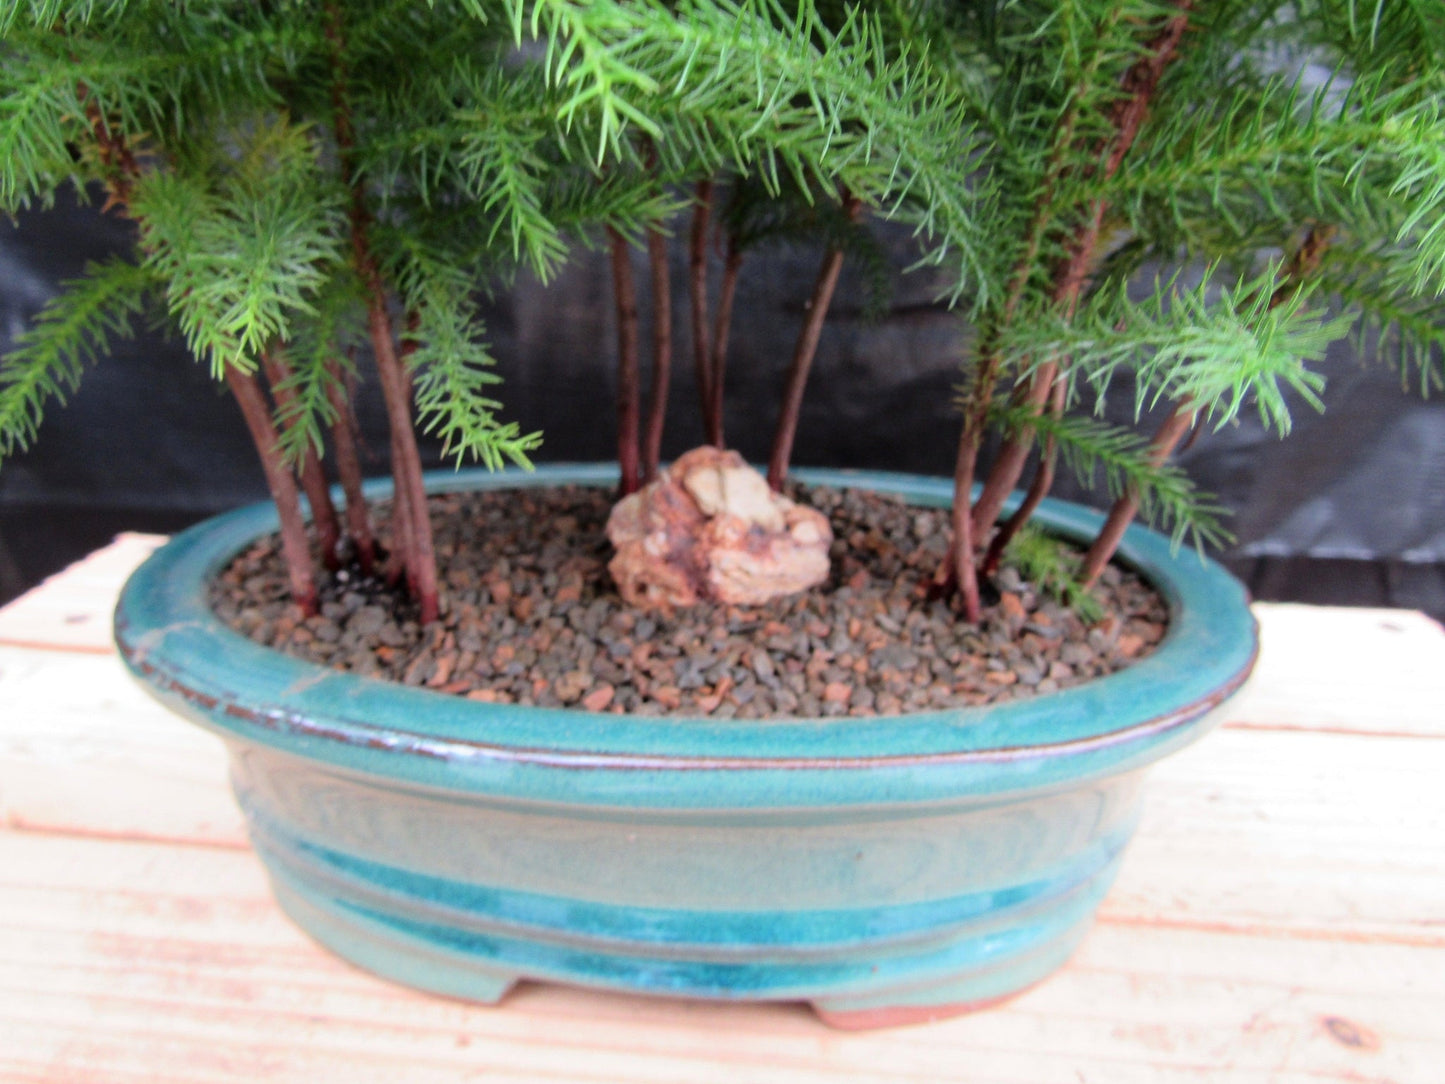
(1052, 566)
(73, 330)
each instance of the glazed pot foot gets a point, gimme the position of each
(958, 995)
(897, 1016)
(375, 947)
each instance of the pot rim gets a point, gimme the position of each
(168, 636)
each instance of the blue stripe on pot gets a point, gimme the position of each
(718, 936)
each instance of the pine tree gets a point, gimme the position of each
(304, 177)
(242, 140)
(1201, 195)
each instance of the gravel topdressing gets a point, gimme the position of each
(532, 617)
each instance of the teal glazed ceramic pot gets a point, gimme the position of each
(883, 869)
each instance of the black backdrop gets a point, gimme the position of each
(1350, 509)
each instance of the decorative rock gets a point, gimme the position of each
(710, 529)
(726, 486)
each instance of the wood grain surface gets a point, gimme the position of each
(1280, 917)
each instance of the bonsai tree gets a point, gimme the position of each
(1194, 200)
(1198, 197)
(230, 135)
(307, 179)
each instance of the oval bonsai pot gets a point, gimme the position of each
(884, 869)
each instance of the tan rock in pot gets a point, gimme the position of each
(709, 528)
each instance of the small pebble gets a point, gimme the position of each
(599, 698)
(367, 620)
(571, 685)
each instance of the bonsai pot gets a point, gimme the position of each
(885, 869)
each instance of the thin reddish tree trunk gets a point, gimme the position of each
(624, 295)
(415, 484)
(313, 479)
(1038, 489)
(1009, 465)
(661, 353)
(406, 462)
(420, 515)
(697, 295)
(1170, 433)
(976, 407)
(959, 567)
(348, 470)
(401, 568)
(802, 363)
(401, 561)
(279, 480)
(412, 528)
(1138, 88)
(722, 325)
(803, 353)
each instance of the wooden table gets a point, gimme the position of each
(1281, 916)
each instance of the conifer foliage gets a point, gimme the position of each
(1191, 199)
(307, 178)
(1200, 196)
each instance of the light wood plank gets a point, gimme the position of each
(119, 960)
(84, 749)
(72, 609)
(1349, 669)
(1297, 834)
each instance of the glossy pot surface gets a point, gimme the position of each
(884, 869)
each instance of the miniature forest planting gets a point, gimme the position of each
(308, 184)
(1183, 203)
